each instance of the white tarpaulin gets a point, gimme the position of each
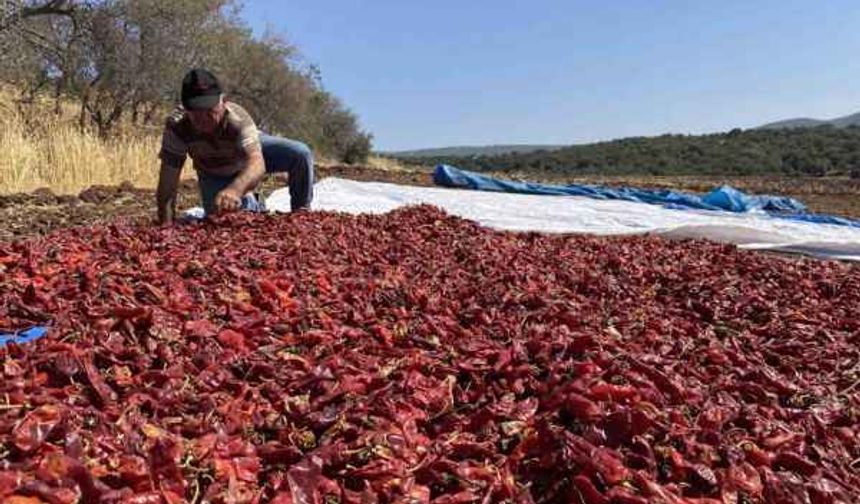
(577, 214)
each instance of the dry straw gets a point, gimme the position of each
(39, 148)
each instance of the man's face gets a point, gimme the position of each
(206, 121)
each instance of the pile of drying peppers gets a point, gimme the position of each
(418, 358)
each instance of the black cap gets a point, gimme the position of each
(200, 90)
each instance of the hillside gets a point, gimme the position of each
(467, 150)
(805, 122)
(810, 151)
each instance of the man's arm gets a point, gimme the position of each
(230, 198)
(168, 182)
(173, 153)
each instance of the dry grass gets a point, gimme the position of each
(67, 161)
(41, 149)
(391, 165)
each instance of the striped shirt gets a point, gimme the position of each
(223, 154)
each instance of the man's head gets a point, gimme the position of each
(203, 99)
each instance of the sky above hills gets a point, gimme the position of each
(449, 72)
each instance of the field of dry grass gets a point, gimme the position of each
(67, 161)
(42, 149)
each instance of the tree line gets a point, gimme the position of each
(123, 61)
(820, 151)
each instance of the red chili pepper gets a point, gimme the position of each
(36, 426)
(232, 339)
(610, 466)
(756, 456)
(620, 495)
(744, 477)
(422, 358)
(105, 395)
(609, 392)
(581, 407)
(794, 462)
(584, 492)
(146, 498)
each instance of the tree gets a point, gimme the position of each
(337, 131)
(39, 45)
(126, 58)
(137, 53)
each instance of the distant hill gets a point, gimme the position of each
(780, 150)
(467, 151)
(805, 122)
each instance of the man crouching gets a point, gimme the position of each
(230, 155)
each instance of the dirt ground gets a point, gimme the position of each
(40, 212)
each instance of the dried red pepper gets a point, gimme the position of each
(416, 357)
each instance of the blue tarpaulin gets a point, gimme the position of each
(21, 337)
(723, 198)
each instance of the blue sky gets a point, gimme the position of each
(476, 72)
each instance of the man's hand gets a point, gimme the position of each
(228, 200)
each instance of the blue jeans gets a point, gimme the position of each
(281, 155)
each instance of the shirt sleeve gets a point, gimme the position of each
(248, 137)
(174, 150)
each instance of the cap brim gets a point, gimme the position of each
(203, 102)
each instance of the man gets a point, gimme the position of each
(230, 156)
